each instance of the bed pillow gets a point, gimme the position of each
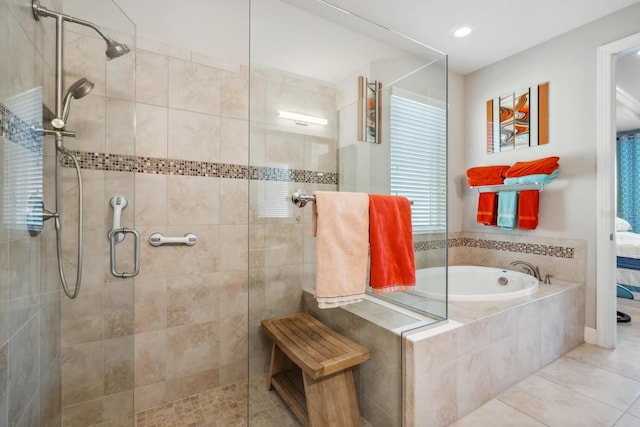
(622, 225)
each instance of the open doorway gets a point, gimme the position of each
(606, 293)
(627, 180)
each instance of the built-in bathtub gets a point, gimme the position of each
(452, 367)
(476, 283)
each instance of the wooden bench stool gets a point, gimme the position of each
(311, 370)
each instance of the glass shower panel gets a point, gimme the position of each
(306, 58)
(97, 327)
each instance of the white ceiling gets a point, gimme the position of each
(501, 27)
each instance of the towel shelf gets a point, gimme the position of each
(509, 187)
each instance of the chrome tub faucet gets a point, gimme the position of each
(529, 269)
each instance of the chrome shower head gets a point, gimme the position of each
(115, 49)
(79, 89)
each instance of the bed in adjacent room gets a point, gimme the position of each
(627, 259)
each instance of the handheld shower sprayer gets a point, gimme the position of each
(79, 89)
(62, 106)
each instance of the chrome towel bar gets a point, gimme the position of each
(300, 198)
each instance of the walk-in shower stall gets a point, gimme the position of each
(190, 143)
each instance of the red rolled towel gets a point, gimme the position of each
(393, 266)
(487, 213)
(486, 175)
(528, 204)
(545, 165)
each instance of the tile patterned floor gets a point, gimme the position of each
(224, 407)
(589, 386)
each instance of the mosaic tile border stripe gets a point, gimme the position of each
(156, 165)
(16, 130)
(519, 247)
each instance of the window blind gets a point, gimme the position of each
(419, 160)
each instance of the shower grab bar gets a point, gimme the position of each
(113, 239)
(158, 239)
(300, 198)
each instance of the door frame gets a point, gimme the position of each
(606, 302)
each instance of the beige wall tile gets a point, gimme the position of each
(151, 199)
(234, 141)
(437, 396)
(194, 87)
(22, 370)
(150, 360)
(118, 364)
(233, 293)
(151, 130)
(233, 339)
(120, 127)
(283, 244)
(234, 247)
(83, 414)
(121, 79)
(84, 57)
(119, 308)
(234, 95)
(154, 87)
(233, 201)
(203, 258)
(150, 304)
(83, 317)
(186, 386)
(192, 299)
(284, 149)
(192, 349)
(194, 136)
(82, 372)
(149, 396)
(193, 200)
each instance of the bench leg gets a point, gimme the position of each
(332, 400)
(279, 363)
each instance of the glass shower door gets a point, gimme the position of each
(97, 328)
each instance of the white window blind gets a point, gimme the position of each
(419, 159)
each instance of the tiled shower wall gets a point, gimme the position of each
(189, 173)
(29, 285)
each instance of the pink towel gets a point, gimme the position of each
(393, 266)
(340, 221)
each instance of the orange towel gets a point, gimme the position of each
(340, 222)
(528, 203)
(393, 266)
(545, 165)
(487, 213)
(487, 209)
(486, 175)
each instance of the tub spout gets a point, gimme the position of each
(529, 268)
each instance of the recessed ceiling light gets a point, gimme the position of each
(461, 31)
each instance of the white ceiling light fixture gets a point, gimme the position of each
(461, 31)
(302, 119)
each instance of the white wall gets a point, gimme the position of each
(568, 63)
